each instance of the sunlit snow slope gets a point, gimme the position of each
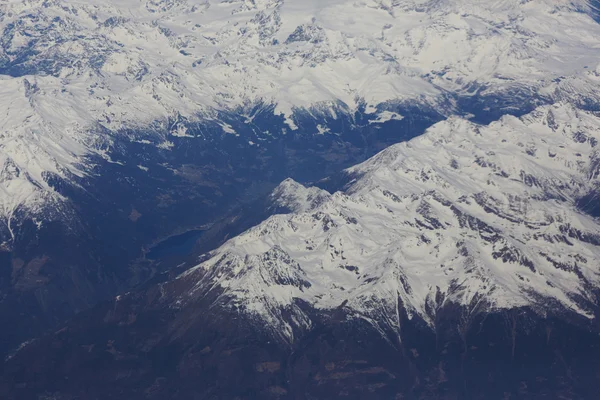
(480, 216)
(75, 73)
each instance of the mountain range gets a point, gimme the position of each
(438, 269)
(299, 199)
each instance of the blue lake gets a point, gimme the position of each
(175, 246)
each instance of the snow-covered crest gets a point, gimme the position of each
(74, 67)
(483, 216)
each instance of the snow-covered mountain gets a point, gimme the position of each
(75, 75)
(485, 217)
(460, 264)
(146, 124)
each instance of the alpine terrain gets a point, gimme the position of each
(379, 199)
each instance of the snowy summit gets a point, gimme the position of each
(485, 217)
(73, 74)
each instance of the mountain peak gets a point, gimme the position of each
(443, 217)
(296, 197)
(115, 65)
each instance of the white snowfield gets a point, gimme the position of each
(482, 216)
(78, 71)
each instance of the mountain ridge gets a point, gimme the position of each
(408, 280)
(497, 247)
(119, 66)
